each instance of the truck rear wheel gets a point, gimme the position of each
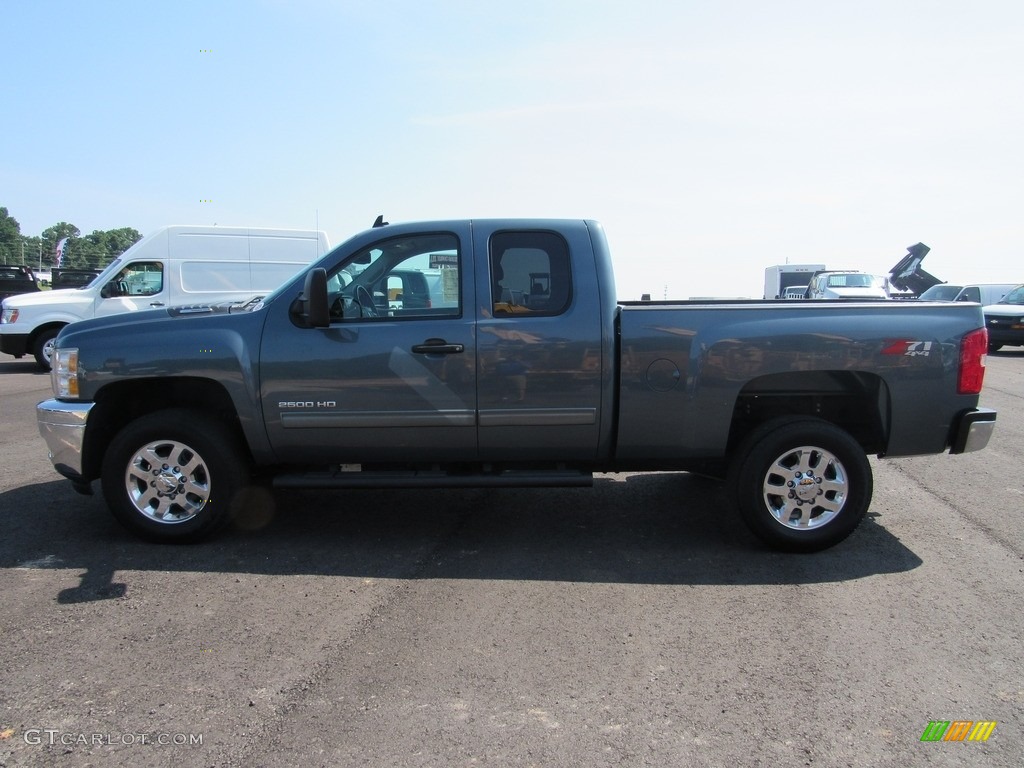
(171, 476)
(801, 485)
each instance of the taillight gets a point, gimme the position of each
(973, 347)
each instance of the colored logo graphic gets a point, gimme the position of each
(958, 730)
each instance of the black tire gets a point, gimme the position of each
(173, 476)
(994, 347)
(42, 347)
(801, 485)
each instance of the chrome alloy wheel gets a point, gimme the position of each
(168, 482)
(805, 488)
(47, 349)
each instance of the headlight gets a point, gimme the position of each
(9, 316)
(64, 373)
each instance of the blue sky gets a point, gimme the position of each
(711, 139)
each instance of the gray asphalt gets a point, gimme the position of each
(636, 623)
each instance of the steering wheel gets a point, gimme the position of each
(365, 301)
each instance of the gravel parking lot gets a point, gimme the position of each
(635, 623)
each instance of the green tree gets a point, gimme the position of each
(92, 251)
(33, 250)
(10, 238)
(114, 242)
(120, 240)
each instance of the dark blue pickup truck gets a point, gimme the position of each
(510, 363)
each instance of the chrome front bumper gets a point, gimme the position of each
(62, 426)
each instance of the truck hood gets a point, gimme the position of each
(150, 317)
(64, 297)
(1004, 310)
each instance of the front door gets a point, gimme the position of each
(394, 376)
(139, 285)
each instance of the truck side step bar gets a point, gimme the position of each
(556, 478)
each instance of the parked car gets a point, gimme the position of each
(794, 292)
(846, 285)
(16, 279)
(72, 278)
(981, 293)
(1005, 321)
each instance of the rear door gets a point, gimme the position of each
(390, 380)
(539, 345)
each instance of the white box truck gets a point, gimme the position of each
(782, 276)
(174, 266)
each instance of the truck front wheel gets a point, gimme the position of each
(172, 476)
(801, 485)
(42, 347)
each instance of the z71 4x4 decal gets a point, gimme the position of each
(909, 348)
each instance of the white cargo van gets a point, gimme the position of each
(174, 266)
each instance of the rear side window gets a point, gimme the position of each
(529, 273)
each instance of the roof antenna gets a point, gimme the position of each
(379, 222)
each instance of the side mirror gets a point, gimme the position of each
(314, 299)
(107, 291)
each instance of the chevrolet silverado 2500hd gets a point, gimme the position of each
(519, 368)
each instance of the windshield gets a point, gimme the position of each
(941, 293)
(107, 272)
(852, 281)
(1016, 296)
(85, 282)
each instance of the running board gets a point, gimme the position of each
(435, 479)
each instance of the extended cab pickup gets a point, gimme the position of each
(521, 369)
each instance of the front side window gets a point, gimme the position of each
(140, 278)
(402, 278)
(529, 273)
